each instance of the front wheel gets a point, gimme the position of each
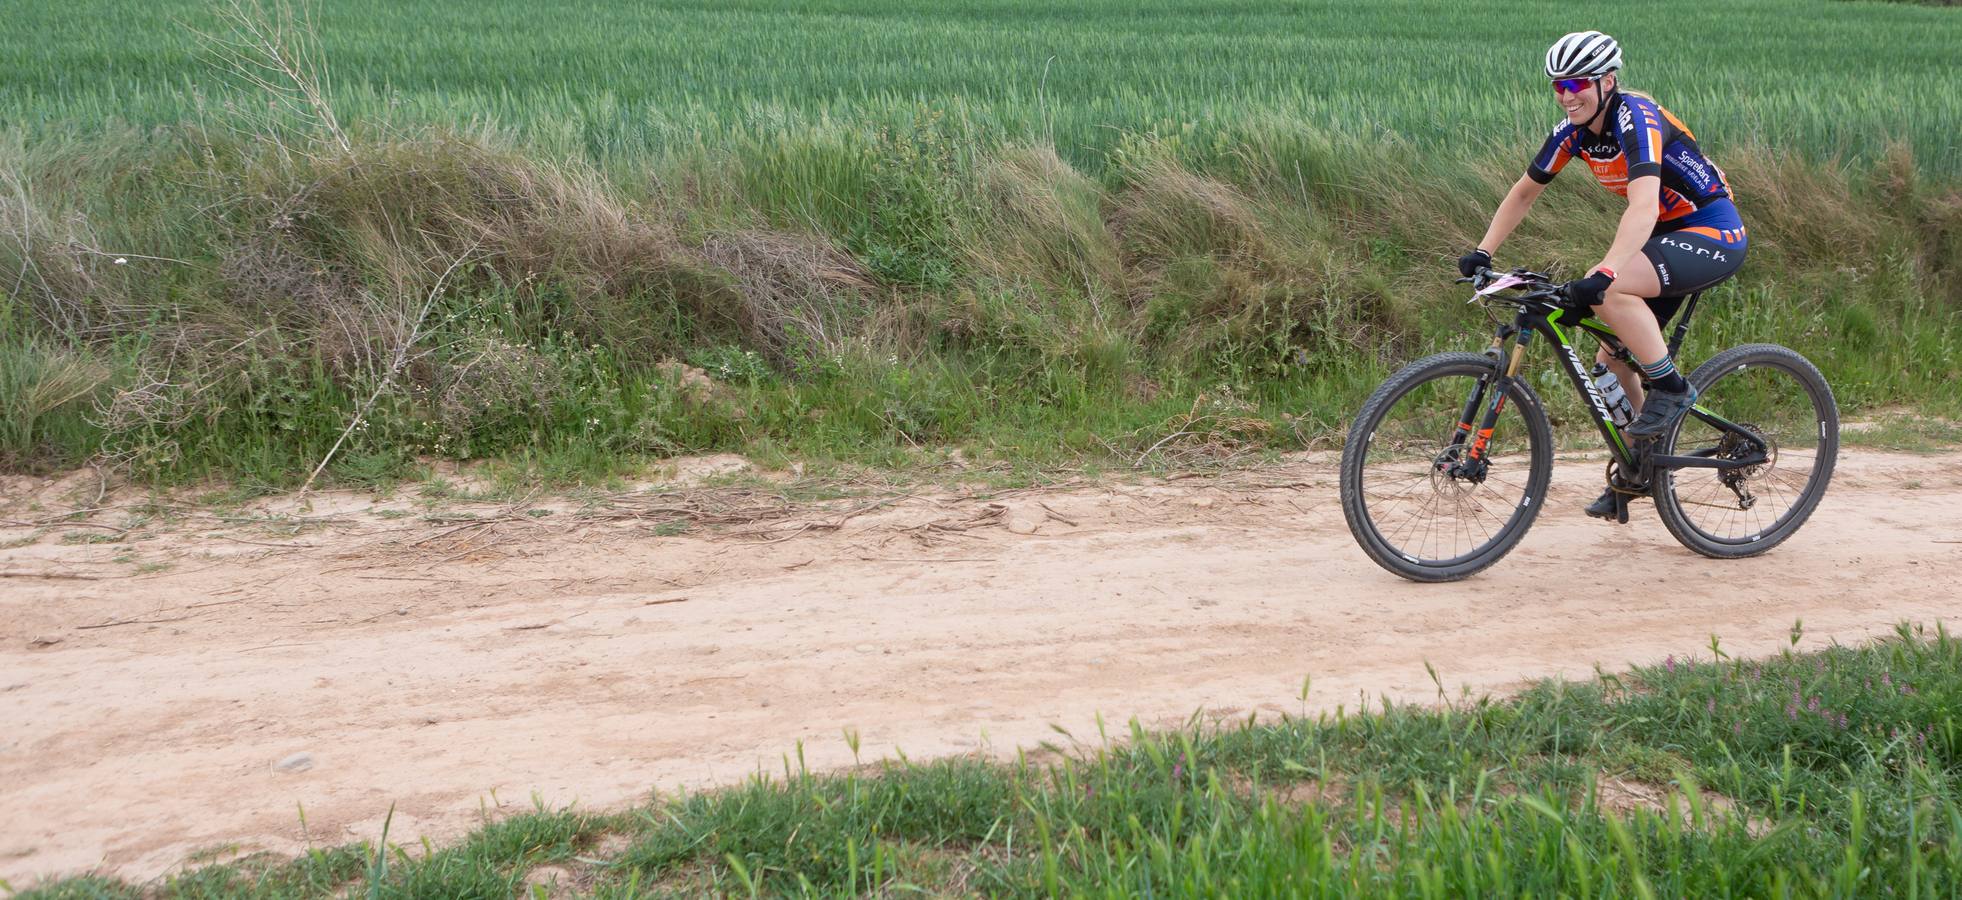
(1425, 496)
(1774, 393)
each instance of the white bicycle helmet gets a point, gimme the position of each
(1583, 54)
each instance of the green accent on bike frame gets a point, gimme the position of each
(1552, 319)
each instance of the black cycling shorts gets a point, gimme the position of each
(1691, 260)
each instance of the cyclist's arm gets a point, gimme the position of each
(1511, 211)
(1637, 224)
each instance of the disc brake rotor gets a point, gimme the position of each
(1735, 446)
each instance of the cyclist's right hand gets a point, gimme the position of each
(1470, 263)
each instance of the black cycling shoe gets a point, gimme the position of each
(1603, 506)
(1660, 411)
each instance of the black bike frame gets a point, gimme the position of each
(1546, 320)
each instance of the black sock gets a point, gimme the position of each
(1663, 376)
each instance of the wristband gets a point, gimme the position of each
(1606, 271)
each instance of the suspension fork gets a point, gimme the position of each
(1490, 421)
(1478, 408)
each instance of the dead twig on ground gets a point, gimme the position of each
(1056, 515)
(116, 622)
(58, 523)
(899, 559)
(224, 537)
(833, 525)
(271, 646)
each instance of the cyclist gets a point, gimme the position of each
(1680, 233)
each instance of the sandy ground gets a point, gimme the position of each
(188, 691)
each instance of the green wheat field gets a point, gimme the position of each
(631, 80)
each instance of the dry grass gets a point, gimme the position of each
(1170, 212)
(1044, 221)
(1214, 431)
(795, 292)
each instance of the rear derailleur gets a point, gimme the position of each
(1737, 446)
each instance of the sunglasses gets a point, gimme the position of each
(1571, 85)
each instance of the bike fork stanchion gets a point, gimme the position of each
(1467, 416)
(1507, 371)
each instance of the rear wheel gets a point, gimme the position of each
(1418, 498)
(1780, 395)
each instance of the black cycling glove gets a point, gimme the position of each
(1585, 292)
(1470, 263)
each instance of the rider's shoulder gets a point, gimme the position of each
(1563, 131)
(1639, 101)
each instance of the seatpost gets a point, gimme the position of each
(1683, 324)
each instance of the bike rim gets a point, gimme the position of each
(1749, 505)
(1414, 503)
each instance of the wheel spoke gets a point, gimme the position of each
(1759, 389)
(1425, 497)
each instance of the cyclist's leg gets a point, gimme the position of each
(1694, 259)
(1679, 263)
(1682, 262)
(1664, 309)
(1625, 307)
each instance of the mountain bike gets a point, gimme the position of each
(1448, 463)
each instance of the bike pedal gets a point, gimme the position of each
(1621, 508)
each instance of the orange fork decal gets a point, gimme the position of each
(1485, 434)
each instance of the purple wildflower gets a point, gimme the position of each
(1178, 769)
(1670, 663)
(1814, 705)
(1906, 689)
(1791, 712)
(1737, 728)
(1842, 721)
(1886, 679)
(1711, 706)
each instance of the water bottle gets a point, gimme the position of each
(1619, 408)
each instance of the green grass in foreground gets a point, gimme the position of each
(1809, 774)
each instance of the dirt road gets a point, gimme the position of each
(171, 693)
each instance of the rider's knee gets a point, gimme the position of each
(1623, 299)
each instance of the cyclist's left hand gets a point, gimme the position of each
(1586, 292)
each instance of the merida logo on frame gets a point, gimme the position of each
(1593, 391)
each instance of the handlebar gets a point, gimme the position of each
(1534, 286)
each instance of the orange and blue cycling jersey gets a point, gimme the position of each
(1648, 140)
